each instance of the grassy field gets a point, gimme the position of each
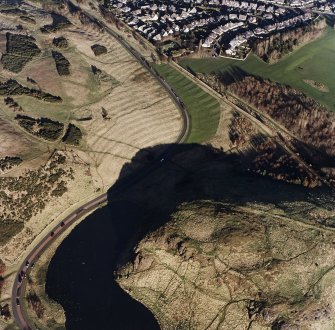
(314, 61)
(203, 108)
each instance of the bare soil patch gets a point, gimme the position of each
(320, 86)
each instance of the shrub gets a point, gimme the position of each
(27, 19)
(20, 49)
(8, 229)
(12, 87)
(58, 22)
(62, 64)
(8, 162)
(99, 49)
(73, 135)
(60, 42)
(42, 127)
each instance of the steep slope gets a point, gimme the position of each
(219, 266)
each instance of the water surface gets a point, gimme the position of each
(80, 275)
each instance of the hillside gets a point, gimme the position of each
(62, 97)
(309, 128)
(63, 116)
(221, 266)
(233, 230)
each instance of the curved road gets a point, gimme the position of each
(20, 280)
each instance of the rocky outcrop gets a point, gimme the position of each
(277, 45)
(218, 266)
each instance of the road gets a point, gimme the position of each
(186, 122)
(264, 122)
(18, 287)
(18, 291)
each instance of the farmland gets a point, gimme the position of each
(202, 107)
(312, 62)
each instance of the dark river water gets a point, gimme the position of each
(80, 275)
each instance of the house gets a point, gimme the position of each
(252, 20)
(157, 37)
(164, 33)
(154, 7)
(224, 22)
(126, 9)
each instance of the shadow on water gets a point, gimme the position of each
(150, 187)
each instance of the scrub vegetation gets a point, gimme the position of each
(20, 49)
(60, 42)
(73, 135)
(59, 22)
(8, 163)
(62, 64)
(99, 49)
(25, 196)
(42, 127)
(12, 87)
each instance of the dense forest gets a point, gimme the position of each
(276, 46)
(301, 115)
(311, 123)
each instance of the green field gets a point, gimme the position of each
(204, 109)
(314, 61)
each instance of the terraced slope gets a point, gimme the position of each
(139, 111)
